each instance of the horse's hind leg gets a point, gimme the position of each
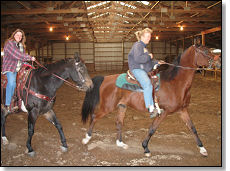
(152, 130)
(51, 116)
(120, 118)
(88, 135)
(185, 117)
(94, 117)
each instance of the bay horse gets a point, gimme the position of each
(45, 81)
(173, 96)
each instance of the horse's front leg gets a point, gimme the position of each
(119, 123)
(4, 114)
(185, 117)
(32, 117)
(51, 116)
(152, 130)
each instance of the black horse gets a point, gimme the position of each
(43, 81)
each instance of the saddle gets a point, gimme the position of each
(21, 80)
(153, 75)
(128, 81)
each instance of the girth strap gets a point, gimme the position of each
(40, 96)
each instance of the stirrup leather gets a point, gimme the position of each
(130, 75)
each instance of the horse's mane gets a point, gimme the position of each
(51, 68)
(172, 71)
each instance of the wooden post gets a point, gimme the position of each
(176, 48)
(203, 38)
(183, 44)
(47, 51)
(52, 53)
(123, 55)
(94, 60)
(165, 47)
(39, 56)
(79, 46)
(42, 54)
(36, 52)
(170, 48)
(65, 50)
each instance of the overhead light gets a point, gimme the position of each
(157, 37)
(51, 29)
(181, 28)
(67, 37)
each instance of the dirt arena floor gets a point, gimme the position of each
(171, 145)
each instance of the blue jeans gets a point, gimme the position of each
(143, 79)
(11, 84)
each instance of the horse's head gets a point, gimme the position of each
(79, 74)
(203, 56)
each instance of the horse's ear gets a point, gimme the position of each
(76, 56)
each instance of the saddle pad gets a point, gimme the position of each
(121, 82)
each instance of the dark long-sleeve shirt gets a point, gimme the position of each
(139, 59)
(11, 56)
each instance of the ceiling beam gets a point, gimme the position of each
(115, 29)
(54, 19)
(124, 10)
(211, 30)
(54, 25)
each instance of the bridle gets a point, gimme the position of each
(204, 53)
(65, 81)
(79, 73)
(197, 50)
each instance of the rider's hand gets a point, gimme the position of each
(151, 55)
(33, 58)
(161, 62)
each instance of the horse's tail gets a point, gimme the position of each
(92, 98)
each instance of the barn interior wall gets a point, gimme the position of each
(102, 56)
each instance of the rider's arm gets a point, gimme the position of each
(13, 51)
(139, 55)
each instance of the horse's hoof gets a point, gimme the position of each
(161, 111)
(147, 154)
(31, 154)
(203, 151)
(64, 149)
(121, 144)
(5, 141)
(86, 139)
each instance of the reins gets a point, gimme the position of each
(65, 81)
(178, 66)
